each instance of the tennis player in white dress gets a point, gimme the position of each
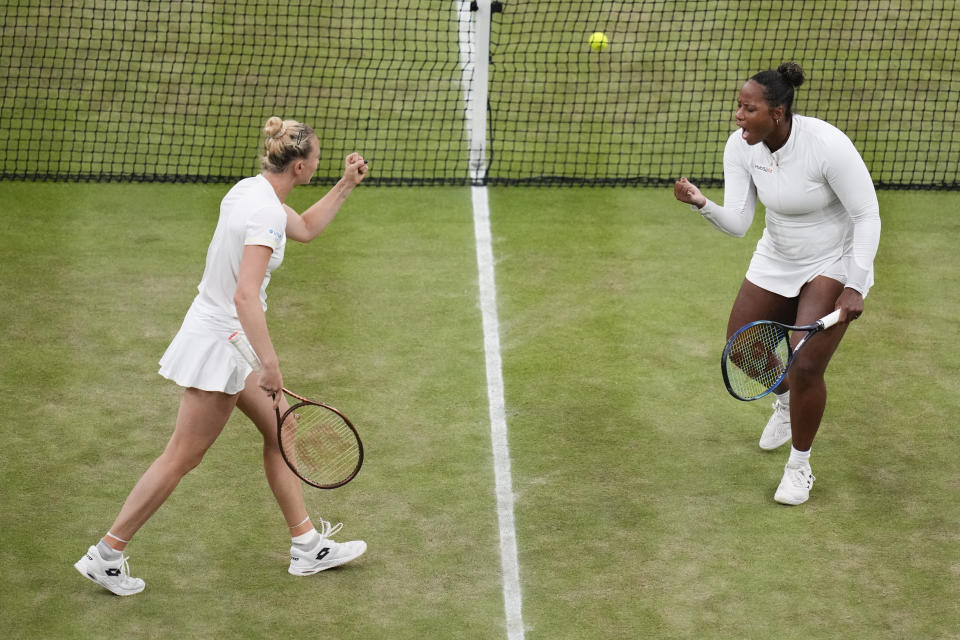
(817, 249)
(247, 246)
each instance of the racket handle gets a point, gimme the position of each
(239, 341)
(829, 320)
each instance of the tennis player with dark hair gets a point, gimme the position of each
(247, 246)
(817, 249)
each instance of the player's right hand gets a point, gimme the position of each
(271, 382)
(685, 191)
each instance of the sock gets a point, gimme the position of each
(307, 540)
(784, 397)
(107, 552)
(799, 457)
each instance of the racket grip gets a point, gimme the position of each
(239, 341)
(829, 320)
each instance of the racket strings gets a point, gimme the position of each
(757, 359)
(320, 444)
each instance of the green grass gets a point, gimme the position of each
(643, 506)
(380, 318)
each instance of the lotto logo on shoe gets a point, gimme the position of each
(113, 572)
(323, 553)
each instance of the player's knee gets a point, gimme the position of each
(182, 462)
(805, 373)
(270, 446)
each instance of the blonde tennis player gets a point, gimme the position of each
(817, 249)
(247, 246)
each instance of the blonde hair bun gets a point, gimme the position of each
(274, 127)
(284, 141)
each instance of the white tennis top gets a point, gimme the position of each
(821, 207)
(250, 213)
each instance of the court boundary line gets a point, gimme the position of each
(474, 38)
(510, 565)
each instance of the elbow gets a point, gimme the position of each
(303, 236)
(738, 231)
(242, 299)
(741, 223)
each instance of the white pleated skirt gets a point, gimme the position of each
(783, 276)
(200, 356)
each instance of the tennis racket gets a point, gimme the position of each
(756, 358)
(317, 442)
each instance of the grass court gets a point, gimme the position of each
(644, 508)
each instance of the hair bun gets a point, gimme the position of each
(792, 73)
(274, 127)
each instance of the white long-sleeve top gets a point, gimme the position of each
(821, 207)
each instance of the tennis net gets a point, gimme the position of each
(178, 91)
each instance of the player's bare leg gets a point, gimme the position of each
(755, 303)
(286, 486)
(200, 420)
(311, 550)
(808, 390)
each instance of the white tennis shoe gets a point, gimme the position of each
(777, 432)
(796, 484)
(326, 553)
(113, 575)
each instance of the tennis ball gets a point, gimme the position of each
(598, 41)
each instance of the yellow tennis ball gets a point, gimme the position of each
(598, 41)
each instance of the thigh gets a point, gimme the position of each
(258, 406)
(756, 303)
(200, 419)
(818, 298)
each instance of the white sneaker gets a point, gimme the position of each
(113, 575)
(796, 484)
(777, 431)
(326, 553)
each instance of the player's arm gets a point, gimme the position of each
(308, 225)
(850, 179)
(739, 194)
(253, 269)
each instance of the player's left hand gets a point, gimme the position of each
(356, 169)
(850, 304)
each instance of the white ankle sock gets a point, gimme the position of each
(107, 552)
(799, 457)
(306, 540)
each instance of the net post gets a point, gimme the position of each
(479, 91)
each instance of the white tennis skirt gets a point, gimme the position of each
(773, 272)
(200, 356)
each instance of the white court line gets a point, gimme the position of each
(474, 38)
(498, 415)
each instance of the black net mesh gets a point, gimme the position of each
(179, 91)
